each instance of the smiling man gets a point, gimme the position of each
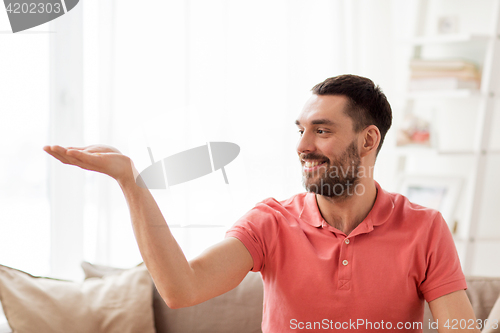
(346, 254)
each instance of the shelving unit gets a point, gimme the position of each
(457, 93)
(485, 102)
(449, 38)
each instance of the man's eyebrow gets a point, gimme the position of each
(318, 122)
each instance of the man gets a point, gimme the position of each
(344, 255)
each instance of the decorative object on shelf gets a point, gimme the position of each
(413, 131)
(440, 193)
(447, 25)
(445, 74)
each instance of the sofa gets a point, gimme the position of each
(483, 293)
(240, 310)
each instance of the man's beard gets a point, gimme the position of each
(339, 179)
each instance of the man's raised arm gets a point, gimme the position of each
(180, 283)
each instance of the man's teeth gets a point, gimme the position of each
(312, 164)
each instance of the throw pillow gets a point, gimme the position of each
(118, 303)
(99, 271)
(493, 325)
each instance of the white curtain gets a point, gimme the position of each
(24, 119)
(174, 75)
(190, 72)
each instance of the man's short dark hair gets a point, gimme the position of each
(367, 104)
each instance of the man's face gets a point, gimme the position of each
(328, 147)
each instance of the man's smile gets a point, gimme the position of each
(311, 165)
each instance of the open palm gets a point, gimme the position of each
(99, 158)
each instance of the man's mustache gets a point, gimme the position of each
(313, 157)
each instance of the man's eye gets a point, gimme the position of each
(320, 131)
(301, 132)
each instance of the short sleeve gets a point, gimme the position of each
(257, 230)
(444, 272)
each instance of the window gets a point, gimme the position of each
(24, 126)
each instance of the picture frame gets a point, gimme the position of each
(447, 25)
(440, 193)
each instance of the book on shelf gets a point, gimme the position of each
(441, 64)
(461, 74)
(444, 83)
(446, 74)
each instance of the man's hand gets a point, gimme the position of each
(100, 158)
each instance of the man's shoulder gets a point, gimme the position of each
(293, 203)
(279, 210)
(294, 199)
(271, 213)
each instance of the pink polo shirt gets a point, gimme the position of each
(318, 279)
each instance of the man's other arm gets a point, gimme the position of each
(453, 313)
(180, 283)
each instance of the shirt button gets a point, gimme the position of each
(345, 262)
(346, 241)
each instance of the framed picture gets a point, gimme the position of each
(440, 193)
(447, 25)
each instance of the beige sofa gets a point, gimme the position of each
(483, 292)
(240, 310)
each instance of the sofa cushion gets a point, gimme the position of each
(119, 303)
(493, 323)
(4, 325)
(483, 292)
(239, 310)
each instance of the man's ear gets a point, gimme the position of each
(371, 140)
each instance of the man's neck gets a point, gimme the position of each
(345, 215)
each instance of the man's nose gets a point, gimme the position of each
(305, 144)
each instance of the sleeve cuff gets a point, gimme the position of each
(444, 289)
(247, 241)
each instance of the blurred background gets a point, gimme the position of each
(173, 75)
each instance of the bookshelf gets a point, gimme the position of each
(484, 99)
(455, 93)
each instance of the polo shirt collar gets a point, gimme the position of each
(378, 215)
